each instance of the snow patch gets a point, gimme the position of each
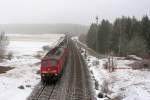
(123, 83)
(25, 64)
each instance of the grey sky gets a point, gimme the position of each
(69, 11)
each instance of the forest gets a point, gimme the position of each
(124, 36)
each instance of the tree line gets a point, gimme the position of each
(126, 35)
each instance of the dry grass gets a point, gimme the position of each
(105, 87)
(39, 55)
(5, 69)
(37, 63)
(38, 72)
(143, 64)
(110, 64)
(118, 97)
(96, 85)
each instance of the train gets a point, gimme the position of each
(53, 63)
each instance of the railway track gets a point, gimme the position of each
(42, 92)
(80, 88)
(73, 85)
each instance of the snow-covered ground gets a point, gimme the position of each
(25, 63)
(123, 83)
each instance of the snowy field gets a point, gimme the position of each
(124, 83)
(18, 83)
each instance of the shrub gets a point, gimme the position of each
(46, 48)
(111, 64)
(3, 44)
(10, 55)
(105, 87)
(136, 46)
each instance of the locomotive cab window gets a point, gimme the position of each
(58, 52)
(53, 62)
(45, 63)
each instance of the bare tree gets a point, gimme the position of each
(111, 63)
(3, 44)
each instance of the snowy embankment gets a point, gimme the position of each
(18, 83)
(123, 83)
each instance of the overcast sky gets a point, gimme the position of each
(69, 11)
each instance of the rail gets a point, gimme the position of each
(90, 51)
(73, 85)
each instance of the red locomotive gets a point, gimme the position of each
(53, 63)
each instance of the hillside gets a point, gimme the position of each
(75, 29)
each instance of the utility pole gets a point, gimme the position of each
(120, 37)
(97, 33)
(97, 61)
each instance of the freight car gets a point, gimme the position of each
(52, 64)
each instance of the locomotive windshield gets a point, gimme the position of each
(44, 63)
(53, 62)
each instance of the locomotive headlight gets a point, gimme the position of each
(53, 71)
(56, 74)
(43, 72)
